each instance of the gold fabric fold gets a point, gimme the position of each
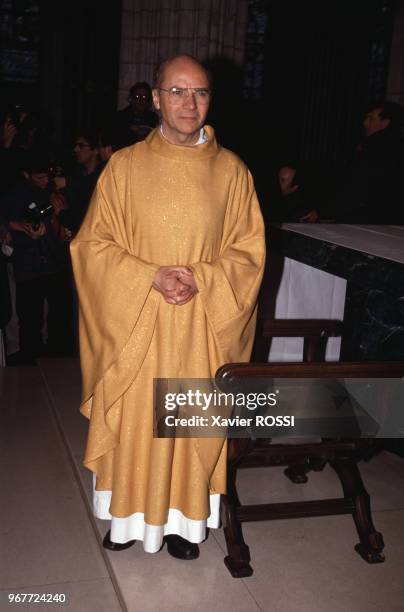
(161, 204)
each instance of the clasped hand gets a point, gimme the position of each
(176, 284)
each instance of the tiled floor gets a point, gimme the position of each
(51, 544)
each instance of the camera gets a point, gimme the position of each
(36, 214)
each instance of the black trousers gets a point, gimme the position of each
(30, 299)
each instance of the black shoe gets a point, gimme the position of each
(107, 543)
(180, 548)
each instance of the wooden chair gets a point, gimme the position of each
(315, 334)
(342, 454)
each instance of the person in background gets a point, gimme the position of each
(297, 199)
(373, 190)
(78, 189)
(139, 116)
(38, 271)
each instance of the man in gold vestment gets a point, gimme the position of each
(167, 263)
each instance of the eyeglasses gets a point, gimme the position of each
(177, 95)
(138, 97)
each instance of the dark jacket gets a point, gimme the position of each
(140, 124)
(374, 189)
(78, 195)
(31, 258)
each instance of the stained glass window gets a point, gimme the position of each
(255, 49)
(380, 49)
(19, 34)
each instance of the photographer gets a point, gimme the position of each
(39, 272)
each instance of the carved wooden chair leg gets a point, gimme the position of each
(238, 559)
(371, 542)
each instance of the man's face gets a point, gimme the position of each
(83, 151)
(140, 100)
(286, 176)
(182, 121)
(38, 179)
(373, 122)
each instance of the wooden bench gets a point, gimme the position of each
(341, 454)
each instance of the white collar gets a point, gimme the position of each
(202, 136)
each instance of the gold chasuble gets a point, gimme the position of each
(159, 204)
